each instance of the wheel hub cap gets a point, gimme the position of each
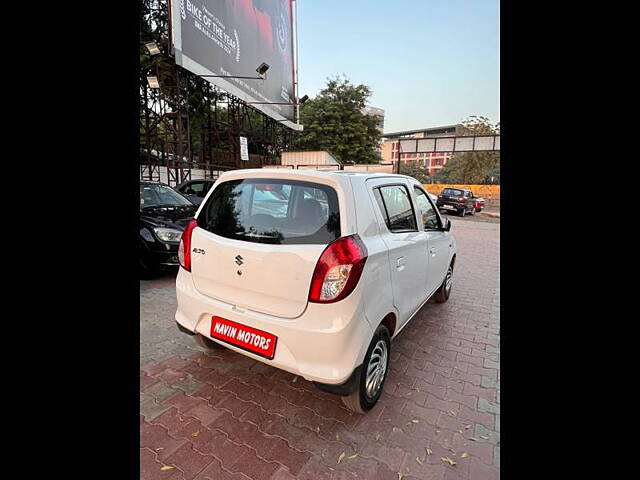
(376, 369)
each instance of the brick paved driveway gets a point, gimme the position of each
(224, 416)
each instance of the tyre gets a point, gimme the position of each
(206, 343)
(442, 294)
(462, 212)
(373, 373)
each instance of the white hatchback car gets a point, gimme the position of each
(313, 272)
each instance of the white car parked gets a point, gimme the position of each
(313, 272)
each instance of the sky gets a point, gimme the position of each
(428, 62)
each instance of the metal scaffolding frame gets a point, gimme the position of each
(188, 123)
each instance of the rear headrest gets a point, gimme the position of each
(311, 210)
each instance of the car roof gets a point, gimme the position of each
(317, 173)
(152, 182)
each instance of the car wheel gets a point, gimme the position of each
(442, 294)
(462, 212)
(207, 343)
(373, 373)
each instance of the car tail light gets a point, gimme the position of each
(338, 270)
(184, 249)
(461, 199)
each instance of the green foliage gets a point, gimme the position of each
(418, 172)
(333, 121)
(473, 167)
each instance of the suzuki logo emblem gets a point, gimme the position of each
(239, 260)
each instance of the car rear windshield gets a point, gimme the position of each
(452, 192)
(272, 211)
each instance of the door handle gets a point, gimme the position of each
(432, 251)
(400, 263)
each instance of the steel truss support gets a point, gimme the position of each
(188, 124)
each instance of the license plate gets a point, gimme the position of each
(450, 207)
(244, 337)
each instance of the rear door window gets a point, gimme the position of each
(195, 188)
(273, 211)
(452, 192)
(398, 208)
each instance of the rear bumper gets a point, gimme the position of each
(324, 345)
(343, 389)
(450, 206)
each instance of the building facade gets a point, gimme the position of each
(432, 162)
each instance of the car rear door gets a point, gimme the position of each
(407, 245)
(439, 241)
(258, 241)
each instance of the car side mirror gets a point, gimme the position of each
(447, 225)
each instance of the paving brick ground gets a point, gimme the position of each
(211, 416)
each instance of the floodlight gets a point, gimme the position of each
(262, 69)
(153, 81)
(152, 47)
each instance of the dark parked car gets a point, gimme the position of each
(457, 199)
(163, 215)
(195, 190)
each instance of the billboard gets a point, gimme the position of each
(231, 38)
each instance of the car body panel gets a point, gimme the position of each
(321, 342)
(156, 253)
(448, 201)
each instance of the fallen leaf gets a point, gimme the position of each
(377, 437)
(464, 455)
(429, 451)
(352, 456)
(452, 451)
(337, 437)
(415, 421)
(449, 461)
(437, 431)
(418, 460)
(474, 439)
(165, 467)
(452, 413)
(195, 434)
(486, 437)
(467, 427)
(159, 448)
(342, 455)
(460, 432)
(399, 476)
(318, 429)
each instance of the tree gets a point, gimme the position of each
(333, 121)
(418, 172)
(473, 167)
